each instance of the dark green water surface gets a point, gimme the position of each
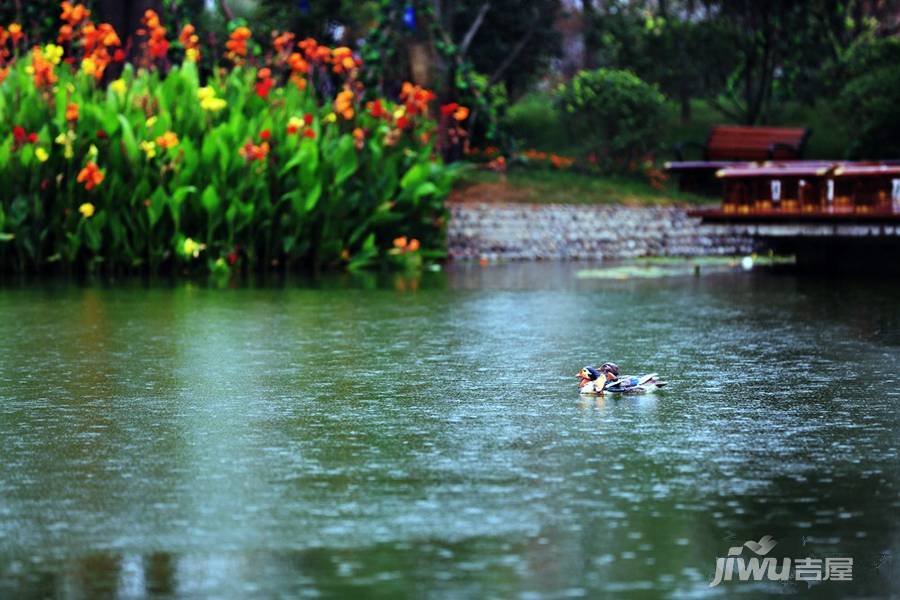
(404, 438)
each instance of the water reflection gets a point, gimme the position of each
(424, 435)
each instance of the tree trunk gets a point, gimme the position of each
(125, 15)
(589, 60)
(685, 100)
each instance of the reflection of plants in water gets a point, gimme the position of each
(406, 283)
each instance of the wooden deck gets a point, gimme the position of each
(834, 216)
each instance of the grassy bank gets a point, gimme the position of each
(564, 187)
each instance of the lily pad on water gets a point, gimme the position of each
(631, 271)
(669, 266)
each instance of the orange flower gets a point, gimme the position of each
(415, 98)
(282, 42)
(402, 245)
(157, 44)
(65, 34)
(190, 42)
(342, 59)
(237, 44)
(343, 104)
(107, 35)
(251, 152)
(297, 64)
(72, 112)
(151, 19)
(15, 32)
(74, 14)
(300, 82)
(42, 69)
(167, 140)
(359, 138)
(91, 176)
(310, 48)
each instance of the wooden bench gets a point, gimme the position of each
(734, 144)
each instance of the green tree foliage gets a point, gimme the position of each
(686, 58)
(870, 99)
(329, 21)
(515, 42)
(749, 57)
(619, 112)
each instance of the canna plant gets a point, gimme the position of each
(255, 166)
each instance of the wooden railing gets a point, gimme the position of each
(811, 187)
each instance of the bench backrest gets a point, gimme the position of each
(737, 142)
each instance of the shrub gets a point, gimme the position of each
(618, 115)
(535, 122)
(259, 166)
(870, 97)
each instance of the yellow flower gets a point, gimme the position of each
(88, 66)
(149, 149)
(213, 104)
(119, 87)
(92, 152)
(192, 248)
(87, 210)
(67, 139)
(192, 54)
(151, 122)
(330, 118)
(53, 53)
(41, 154)
(208, 100)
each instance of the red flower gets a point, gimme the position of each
(119, 55)
(18, 134)
(101, 134)
(376, 109)
(449, 109)
(308, 119)
(265, 83)
(309, 133)
(32, 138)
(265, 135)
(402, 122)
(232, 257)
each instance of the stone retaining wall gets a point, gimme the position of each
(584, 232)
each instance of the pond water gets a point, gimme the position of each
(425, 437)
